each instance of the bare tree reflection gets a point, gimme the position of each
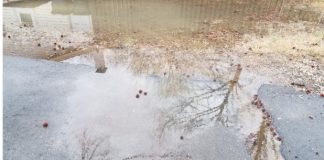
(207, 104)
(167, 155)
(94, 148)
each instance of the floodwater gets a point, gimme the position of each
(153, 46)
(134, 16)
(146, 16)
(124, 23)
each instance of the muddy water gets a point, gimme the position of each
(143, 16)
(129, 23)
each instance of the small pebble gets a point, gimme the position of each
(9, 37)
(62, 36)
(137, 96)
(45, 124)
(308, 91)
(259, 104)
(145, 93)
(310, 117)
(181, 137)
(38, 44)
(279, 138)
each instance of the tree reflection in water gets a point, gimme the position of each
(207, 104)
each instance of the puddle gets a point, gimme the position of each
(164, 72)
(131, 23)
(175, 106)
(150, 16)
(132, 120)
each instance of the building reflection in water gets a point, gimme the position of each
(148, 16)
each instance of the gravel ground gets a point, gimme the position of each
(41, 43)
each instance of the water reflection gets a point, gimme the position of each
(182, 105)
(39, 14)
(99, 60)
(126, 24)
(207, 102)
(149, 16)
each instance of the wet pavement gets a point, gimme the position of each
(34, 93)
(298, 118)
